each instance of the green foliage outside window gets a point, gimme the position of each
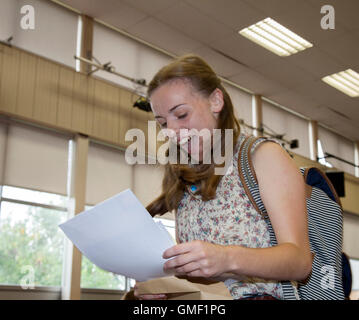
(94, 277)
(31, 239)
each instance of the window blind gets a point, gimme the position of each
(35, 159)
(107, 173)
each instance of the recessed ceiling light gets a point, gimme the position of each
(346, 81)
(274, 37)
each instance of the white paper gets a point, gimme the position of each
(165, 232)
(119, 235)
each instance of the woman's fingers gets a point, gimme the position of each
(197, 258)
(180, 260)
(178, 249)
(189, 267)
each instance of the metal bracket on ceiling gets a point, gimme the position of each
(109, 68)
(7, 42)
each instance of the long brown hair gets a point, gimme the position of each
(203, 80)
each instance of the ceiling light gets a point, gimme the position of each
(274, 37)
(345, 81)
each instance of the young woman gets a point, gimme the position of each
(218, 230)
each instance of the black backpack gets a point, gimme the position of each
(325, 227)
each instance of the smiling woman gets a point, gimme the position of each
(187, 94)
(219, 232)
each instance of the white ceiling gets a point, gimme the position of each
(210, 29)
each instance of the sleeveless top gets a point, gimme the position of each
(228, 219)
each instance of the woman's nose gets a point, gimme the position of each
(174, 131)
(173, 126)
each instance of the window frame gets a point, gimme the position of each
(52, 289)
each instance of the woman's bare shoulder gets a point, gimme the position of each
(273, 161)
(270, 150)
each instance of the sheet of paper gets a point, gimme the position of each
(165, 232)
(119, 235)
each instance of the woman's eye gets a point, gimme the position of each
(163, 125)
(182, 116)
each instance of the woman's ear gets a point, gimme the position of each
(216, 101)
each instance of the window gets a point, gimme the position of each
(169, 225)
(321, 156)
(31, 244)
(96, 278)
(33, 158)
(107, 174)
(338, 146)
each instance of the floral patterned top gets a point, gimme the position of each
(229, 219)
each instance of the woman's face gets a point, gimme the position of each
(177, 105)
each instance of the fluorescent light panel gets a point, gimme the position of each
(276, 38)
(346, 81)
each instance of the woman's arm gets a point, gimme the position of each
(282, 191)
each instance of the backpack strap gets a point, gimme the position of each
(317, 178)
(249, 181)
(247, 173)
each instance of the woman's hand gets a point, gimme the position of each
(197, 259)
(148, 296)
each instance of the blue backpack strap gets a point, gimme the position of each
(249, 181)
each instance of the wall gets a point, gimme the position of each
(36, 89)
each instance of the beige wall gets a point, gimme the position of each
(36, 89)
